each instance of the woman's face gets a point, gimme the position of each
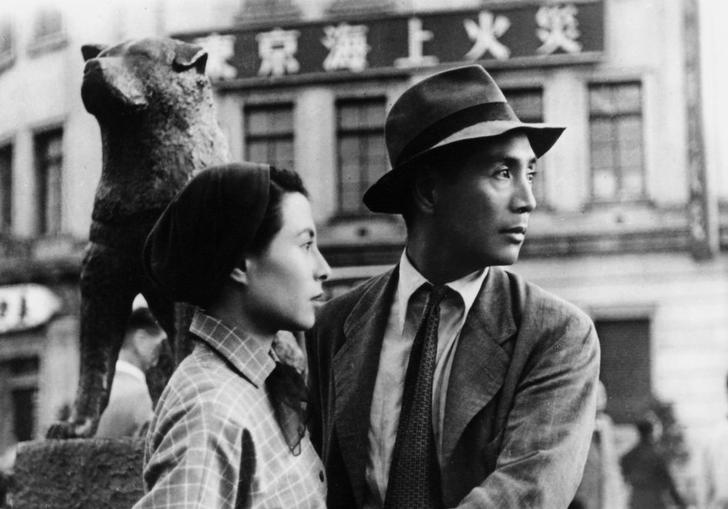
(284, 281)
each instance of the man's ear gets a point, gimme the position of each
(424, 192)
(239, 275)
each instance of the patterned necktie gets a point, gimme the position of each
(414, 476)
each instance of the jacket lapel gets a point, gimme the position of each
(480, 363)
(355, 368)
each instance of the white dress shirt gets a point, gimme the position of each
(404, 319)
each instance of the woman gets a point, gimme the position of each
(239, 242)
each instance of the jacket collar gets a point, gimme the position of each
(480, 362)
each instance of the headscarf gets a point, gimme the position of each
(204, 231)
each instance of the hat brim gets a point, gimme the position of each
(385, 195)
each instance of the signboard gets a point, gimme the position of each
(26, 306)
(544, 33)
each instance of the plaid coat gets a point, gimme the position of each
(214, 441)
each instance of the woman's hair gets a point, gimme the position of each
(282, 181)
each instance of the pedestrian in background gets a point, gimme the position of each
(713, 476)
(602, 486)
(130, 405)
(648, 474)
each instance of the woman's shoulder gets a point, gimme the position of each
(204, 381)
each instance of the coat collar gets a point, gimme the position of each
(355, 368)
(480, 363)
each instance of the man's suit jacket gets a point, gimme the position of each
(520, 403)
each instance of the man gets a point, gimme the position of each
(647, 472)
(713, 464)
(495, 406)
(130, 405)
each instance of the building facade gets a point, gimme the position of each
(632, 221)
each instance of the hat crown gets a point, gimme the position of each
(433, 100)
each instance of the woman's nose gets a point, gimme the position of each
(323, 271)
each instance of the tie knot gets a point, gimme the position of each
(437, 293)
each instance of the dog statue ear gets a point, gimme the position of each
(90, 51)
(189, 55)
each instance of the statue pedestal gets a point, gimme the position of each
(77, 474)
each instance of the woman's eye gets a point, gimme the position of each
(308, 245)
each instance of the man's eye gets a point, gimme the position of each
(503, 173)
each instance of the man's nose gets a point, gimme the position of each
(523, 199)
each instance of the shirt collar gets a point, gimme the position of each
(410, 280)
(130, 369)
(250, 355)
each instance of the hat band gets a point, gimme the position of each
(444, 128)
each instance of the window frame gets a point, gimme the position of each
(48, 222)
(6, 188)
(365, 134)
(612, 118)
(271, 138)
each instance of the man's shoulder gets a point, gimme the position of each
(537, 301)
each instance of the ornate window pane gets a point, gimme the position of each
(360, 148)
(269, 134)
(49, 181)
(616, 145)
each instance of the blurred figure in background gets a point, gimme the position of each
(647, 472)
(601, 486)
(130, 405)
(713, 490)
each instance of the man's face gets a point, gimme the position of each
(482, 205)
(284, 281)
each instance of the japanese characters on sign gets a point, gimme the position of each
(507, 35)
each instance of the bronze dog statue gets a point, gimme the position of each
(155, 109)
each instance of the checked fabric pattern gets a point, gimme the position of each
(414, 478)
(214, 441)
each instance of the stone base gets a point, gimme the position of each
(78, 474)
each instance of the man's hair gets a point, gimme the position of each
(142, 319)
(645, 428)
(282, 181)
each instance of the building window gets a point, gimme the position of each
(615, 130)
(625, 366)
(527, 103)
(7, 44)
(48, 31)
(19, 387)
(269, 134)
(49, 165)
(361, 151)
(6, 188)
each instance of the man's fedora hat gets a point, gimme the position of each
(448, 107)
